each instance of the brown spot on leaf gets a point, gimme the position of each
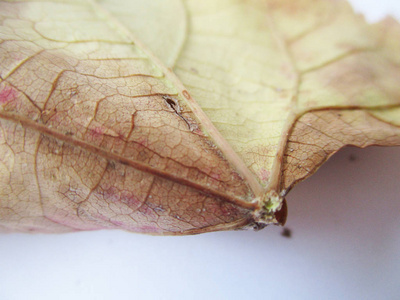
(186, 94)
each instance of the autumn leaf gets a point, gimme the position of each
(182, 117)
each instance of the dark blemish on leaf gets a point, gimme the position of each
(124, 162)
(194, 70)
(170, 101)
(286, 232)
(174, 105)
(111, 165)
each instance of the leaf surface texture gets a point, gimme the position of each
(181, 117)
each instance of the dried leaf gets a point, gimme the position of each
(181, 117)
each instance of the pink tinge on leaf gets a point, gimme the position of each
(96, 134)
(264, 174)
(215, 176)
(7, 95)
(130, 200)
(147, 229)
(98, 131)
(143, 141)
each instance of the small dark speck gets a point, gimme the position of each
(258, 226)
(124, 163)
(286, 232)
(111, 165)
(352, 157)
(194, 70)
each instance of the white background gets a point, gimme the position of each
(345, 244)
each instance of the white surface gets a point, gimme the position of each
(345, 245)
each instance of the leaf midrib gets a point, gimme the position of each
(231, 156)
